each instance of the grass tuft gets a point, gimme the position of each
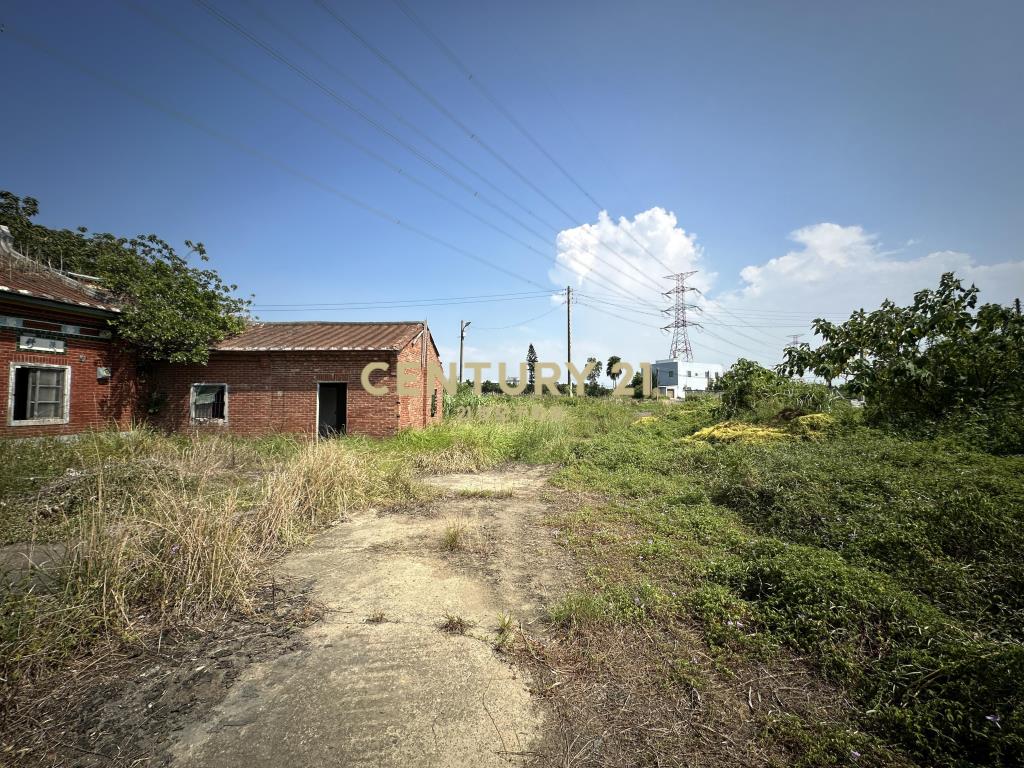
(455, 625)
(485, 493)
(455, 536)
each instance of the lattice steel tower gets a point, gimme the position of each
(680, 335)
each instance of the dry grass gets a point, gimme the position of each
(627, 696)
(164, 532)
(456, 536)
(485, 493)
(455, 625)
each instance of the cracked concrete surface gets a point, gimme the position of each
(401, 691)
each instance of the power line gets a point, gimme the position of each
(495, 296)
(388, 305)
(409, 124)
(260, 154)
(347, 104)
(783, 314)
(486, 93)
(605, 311)
(326, 125)
(701, 327)
(439, 107)
(608, 312)
(473, 135)
(521, 322)
(305, 75)
(616, 301)
(712, 334)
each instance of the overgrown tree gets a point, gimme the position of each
(531, 366)
(611, 372)
(939, 357)
(171, 310)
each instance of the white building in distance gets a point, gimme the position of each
(675, 377)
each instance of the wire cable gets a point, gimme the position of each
(495, 296)
(473, 135)
(327, 307)
(310, 78)
(521, 322)
(408, 124)
(184, 117)
(486, 93)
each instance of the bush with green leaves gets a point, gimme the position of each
(170, 310)
(943, 358)
(892, 565)
(752, 391)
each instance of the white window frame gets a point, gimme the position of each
(192, 402)
(64, 418)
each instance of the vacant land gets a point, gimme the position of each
(668, 590)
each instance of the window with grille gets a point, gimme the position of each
(209, 402)
(433, 403)
(39, 394)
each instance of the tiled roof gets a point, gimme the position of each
(321, 337)
(21, 276)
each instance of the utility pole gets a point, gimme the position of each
(568, 334)
(794, 339)
(463, 325)
(680, 348)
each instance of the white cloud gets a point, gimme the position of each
(831, 271)
(618, 269)
(633, 255)
(836, 270)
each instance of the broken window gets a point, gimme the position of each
(209, 402)
(39, 393)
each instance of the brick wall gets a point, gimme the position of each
(267, 392)
(94, 404)
(414, 407)
(277, 391)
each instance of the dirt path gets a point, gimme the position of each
(401, 691)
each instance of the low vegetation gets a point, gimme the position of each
(454, 537)
(893, 564)
(455, 625)
(772, 535)
(156, 531)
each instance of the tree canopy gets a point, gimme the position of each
(941, 356)
(170, 310)
(531, 364)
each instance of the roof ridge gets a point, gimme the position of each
(26, 267)
(337, 322)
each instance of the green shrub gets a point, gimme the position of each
(756, 393)
(892, 564)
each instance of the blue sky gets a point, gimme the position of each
(808, 158)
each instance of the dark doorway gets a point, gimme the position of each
(331, 406)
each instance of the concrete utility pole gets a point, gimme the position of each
(463, 325)
(568, 333)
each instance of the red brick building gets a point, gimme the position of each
(62, 371)
(306, 378)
